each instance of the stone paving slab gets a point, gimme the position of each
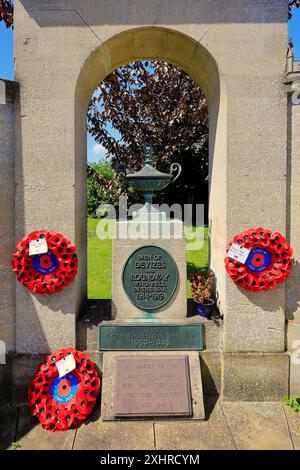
(258, 426)
(230, 425)
(212, 434)
(293, 420)
(115, 435)
(32, 436)
(8, 425)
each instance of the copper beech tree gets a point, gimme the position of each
(152, 101)
(149, 101)
(7, 12)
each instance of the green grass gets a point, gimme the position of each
(100, 259)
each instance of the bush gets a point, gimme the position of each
(103, 186)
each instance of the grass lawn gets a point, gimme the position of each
(99, 260)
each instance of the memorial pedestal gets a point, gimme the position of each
(161, 377)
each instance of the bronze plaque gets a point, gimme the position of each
(150, 277)
(152, 386)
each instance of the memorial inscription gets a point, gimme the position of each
(150, 277)
(152, 386)
(136, 336)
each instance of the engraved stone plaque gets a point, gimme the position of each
(152, 386)
(150, 277)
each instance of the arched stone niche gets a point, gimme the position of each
(237, 55)
(183, 51)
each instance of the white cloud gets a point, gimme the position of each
(99, 150)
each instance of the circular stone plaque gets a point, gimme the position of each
(150, 277)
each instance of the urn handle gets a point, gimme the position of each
(176, 167)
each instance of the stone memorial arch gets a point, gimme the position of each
(237, 54)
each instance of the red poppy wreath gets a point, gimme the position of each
(267, 262)
(48, 272)
(62, 402)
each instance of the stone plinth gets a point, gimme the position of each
(168, 236)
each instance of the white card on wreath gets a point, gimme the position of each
(65, 365)
(38, 247)
(238, 253)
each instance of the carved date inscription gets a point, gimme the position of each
(150, 277)
(152, 386)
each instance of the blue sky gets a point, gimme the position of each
(95, 151)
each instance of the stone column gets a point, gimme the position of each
(8, 89)
(293, 220)
(255, 365)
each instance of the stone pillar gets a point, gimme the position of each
(254, 323)
(8, 90)
(293, 218)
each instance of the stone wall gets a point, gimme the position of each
(293, 222)
(8, 90)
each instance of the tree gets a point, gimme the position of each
(7, 12)
(293, 4)
(152, 101)
(103, 186)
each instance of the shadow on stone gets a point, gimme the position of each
(8, 425)
(92, 313)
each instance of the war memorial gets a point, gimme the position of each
(145, 373)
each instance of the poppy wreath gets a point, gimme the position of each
(268, 263)
(60, 403)
(46, 273)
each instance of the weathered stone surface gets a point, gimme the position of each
(213, 332)
(257, 328)
(23, 370)
(294, 383)
(32, 436)
(210, 362)
(7, 211)
(293, 419)
(7, 316)
(122, 307)
(6, 381)
(254, 377)
(109, 384)
(293, 337)
(48, 322)
(212, 434)
(8, 424)
(8, 336)
(98, 435)
(258, 426)
(92, 313)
